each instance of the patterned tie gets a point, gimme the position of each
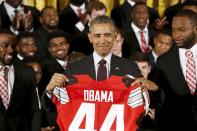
(190, 71)
(102, 70)
(4, 86)
(144, 47)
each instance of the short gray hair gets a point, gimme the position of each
(103, 19)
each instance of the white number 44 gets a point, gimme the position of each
(87, 110)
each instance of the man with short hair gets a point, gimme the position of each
(19, 110)
(176, 76)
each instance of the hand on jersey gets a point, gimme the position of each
(57, 80)
(147, 84)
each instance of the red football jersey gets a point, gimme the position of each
(100, 106)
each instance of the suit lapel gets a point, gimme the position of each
(115, 66)
(89, 66)
(4, 16)
(178, 79)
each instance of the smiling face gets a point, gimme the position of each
(26, 46)
(58, 48)
(102, 37)
(7, 48)
(49, 18)
(140, 15)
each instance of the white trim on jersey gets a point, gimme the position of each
(61, 95)
(135, 98)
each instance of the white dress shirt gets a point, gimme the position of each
(183, 59)
(137, 34)
(97, 59)
(132, 3)
(79, 25)
(10, 10)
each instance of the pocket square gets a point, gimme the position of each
(117, 68)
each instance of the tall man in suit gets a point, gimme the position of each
(138, 36)
(20, 110)
(16, 16)
(179, 109)
(102, 35)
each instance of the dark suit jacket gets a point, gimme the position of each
(170, 12)
(119, 67)
(68, 19)
(23, 113)
(122, 15)
(41, 43)
(179, 109)
(6, 22)
(49, 67)
(131, 43)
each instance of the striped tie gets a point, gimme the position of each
(190, 71)
(144, 47)
(4, 86)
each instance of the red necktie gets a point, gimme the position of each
(79, 12)
(4, 86)
(102, 70)
(190, 71)
(144, 47)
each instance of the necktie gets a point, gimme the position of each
(79, 12)
(102, 70)
(144, 47)
(65, 65)
(4, 86)
(190, 71)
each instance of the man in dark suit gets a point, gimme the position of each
(72, 17)
(122, 14)
(179, 109)
(102, 34)
(21, 113)
(28, 20)
(133, 38)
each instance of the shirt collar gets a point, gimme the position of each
(61, 62)
(155, 56)
(132, 3)
(19, 57)
(193, 49)
(11, 8)
(97, 58)
(137, 30)
(82, 7)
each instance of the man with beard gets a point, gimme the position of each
(176, 76)
(26, 45)
(19, 110)
(58, 46)
(49, 23)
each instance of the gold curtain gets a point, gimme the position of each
(160, 5)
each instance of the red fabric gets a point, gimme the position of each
(67, 112)
(190, 71)
(4, 86)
